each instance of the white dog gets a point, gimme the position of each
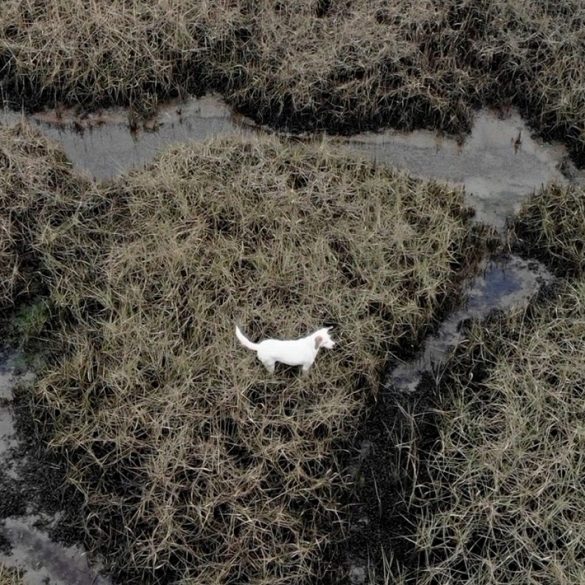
(294, 352)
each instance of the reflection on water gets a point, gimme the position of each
(499, 163)
(106, 143)
(31, 548)
(506, 283)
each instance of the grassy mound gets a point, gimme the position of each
(312, 64)
(37, 186)
(194, 462)
(505, 501)
(551, 226)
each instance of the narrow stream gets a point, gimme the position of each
(499, 164)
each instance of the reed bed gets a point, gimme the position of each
(195, 464)
(505, 502)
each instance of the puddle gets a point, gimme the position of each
(505, 283)
(103, 145)
(30, 546)
(46, 561)
(499, 163)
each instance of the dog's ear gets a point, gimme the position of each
(318, 341)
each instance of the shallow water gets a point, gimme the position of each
(104, 145)
(499, 163)
(45, 560)
(32, 549)
(505, 283)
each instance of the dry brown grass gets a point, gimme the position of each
(551, 226)
(10, 576)
(36, 184)
(488, 470)
(341, 65)
(504, 500)
(195, 463)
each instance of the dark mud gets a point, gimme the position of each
(40, 517)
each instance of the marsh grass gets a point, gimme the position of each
(505, 501)
(551, 227)
(37, 185)
(486, 463)
(10, 576)
(343, 66)
(194, 463)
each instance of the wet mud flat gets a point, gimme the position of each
(40, 527)
(107, 146)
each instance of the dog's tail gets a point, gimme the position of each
(245, 341)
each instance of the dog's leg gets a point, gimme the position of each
(305, 369)
(269, 365)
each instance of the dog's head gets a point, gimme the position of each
(323, 339)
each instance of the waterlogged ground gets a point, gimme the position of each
(499, 164)
(27, 521)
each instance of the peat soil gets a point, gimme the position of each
(499, 164)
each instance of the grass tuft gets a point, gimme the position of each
(551, 226)
(37, 186)
(10, 576)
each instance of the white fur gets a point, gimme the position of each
(293, 352)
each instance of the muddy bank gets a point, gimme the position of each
(504, 283)
(402, 425)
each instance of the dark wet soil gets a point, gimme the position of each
(41, 524)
